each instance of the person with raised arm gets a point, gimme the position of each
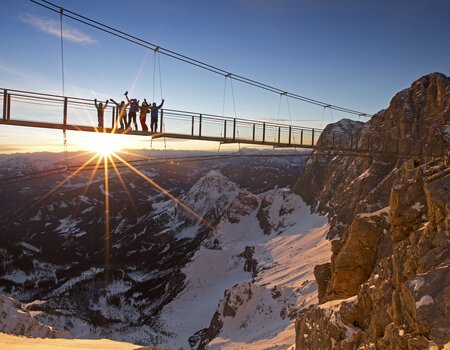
(100, 112)
(154, 116)
(134, 108)
(121, 115)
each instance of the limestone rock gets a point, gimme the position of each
(390, 220)
(354, 263)
(322, 274)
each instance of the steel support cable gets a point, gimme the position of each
(83, 19)
(154, 74)
(224, 96)
(66, 155)
(235, 114)
(160, 76)
(290, 116)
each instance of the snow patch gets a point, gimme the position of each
(425, 300)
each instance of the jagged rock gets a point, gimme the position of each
(401, 281)
(329, 326)
(355, 261)
(322, 274)
(251, 263)
(243, 205)
(404, 303)
(228, 306)
(343, 186)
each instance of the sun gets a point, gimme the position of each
(103, 144)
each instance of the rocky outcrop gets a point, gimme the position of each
(356, 259)
(416, 121)
(404, 302)
(388, 284)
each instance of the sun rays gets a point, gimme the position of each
(106, 158)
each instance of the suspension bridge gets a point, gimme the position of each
(55, 112)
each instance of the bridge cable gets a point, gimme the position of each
(133, 39)
(290, 116)
(235, 114)
(66, 153)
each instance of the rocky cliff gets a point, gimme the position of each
(388, 283)
(416, 122)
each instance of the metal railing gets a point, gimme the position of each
(55, 111)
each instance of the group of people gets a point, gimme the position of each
(134, 107)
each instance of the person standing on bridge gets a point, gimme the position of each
(122, 113)
(145, 108)
(134, 108)
(154, 116)
(100, 112)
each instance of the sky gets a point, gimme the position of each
(352, 53)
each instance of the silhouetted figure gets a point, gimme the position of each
(134, 108)
(100, 112)
(121, 114)
(154, 116)
(145, 108)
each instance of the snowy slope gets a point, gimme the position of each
(15, 319)
(12, 342)
(285, 261)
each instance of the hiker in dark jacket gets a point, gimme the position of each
(134, 108)
(100, 112)
(121, 114)
(154, 116)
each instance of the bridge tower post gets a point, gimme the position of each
(264, 132)
(200, 126)
(192, 125)
(279, 134)
(290, 134)
(5, 102)
(224, 128)
(65, 114)
(8, 113)
(312, 139)
(234, 129)
(301, 137)
(161, 124)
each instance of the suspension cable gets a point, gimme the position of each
(224, 96)
(61, 13)
(66, 153)
(160, 77)
(133, 39)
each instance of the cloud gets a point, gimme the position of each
(52, 27)
(10, 70)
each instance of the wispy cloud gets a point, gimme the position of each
(52, 27)
(11, 70)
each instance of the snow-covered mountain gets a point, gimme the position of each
(167, 269)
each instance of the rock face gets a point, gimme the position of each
(416, 121)
(388, 283)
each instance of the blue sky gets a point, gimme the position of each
(355, 54)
